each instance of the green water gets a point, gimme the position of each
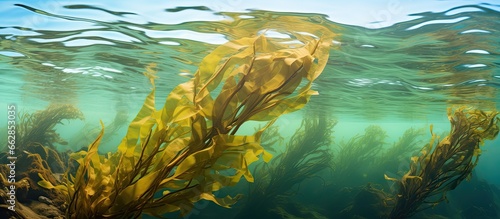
(397, 76)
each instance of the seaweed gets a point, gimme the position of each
(38, 159)
(39, 127)
(406, 145)
(352, 161)
(358, 174)
(306, 155)
(270, 138)
(288, 209)
(368, 202)
(442, 166)
(184, 152)
(392, 160)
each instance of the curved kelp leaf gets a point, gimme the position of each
(173, 157)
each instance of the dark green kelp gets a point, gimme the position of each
(442, 166)
(355, 157)
(37, 159)
(307, 153)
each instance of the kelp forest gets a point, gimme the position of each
(197, 150)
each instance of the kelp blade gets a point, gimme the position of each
(181, 150)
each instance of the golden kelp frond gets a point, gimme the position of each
(39, 126)
(306, 154)
(180, 154)
(443, 166)
(261, 81)
(357, 155)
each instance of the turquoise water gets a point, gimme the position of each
(393, 64)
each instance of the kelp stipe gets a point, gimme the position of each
(443, 166)
(178, 155)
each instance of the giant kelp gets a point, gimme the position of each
(444, 165)
(307, 153)
(393, 159)
(36, 136)
(407, 144)
(173, 157)
(370, 200)
(39, 127)
(37, 133)
(351, 165)
(36, 156)
(355, 156)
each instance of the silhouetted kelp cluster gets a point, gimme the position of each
(190, 150)
(306, 155)
(363, 178)
(37, 159)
